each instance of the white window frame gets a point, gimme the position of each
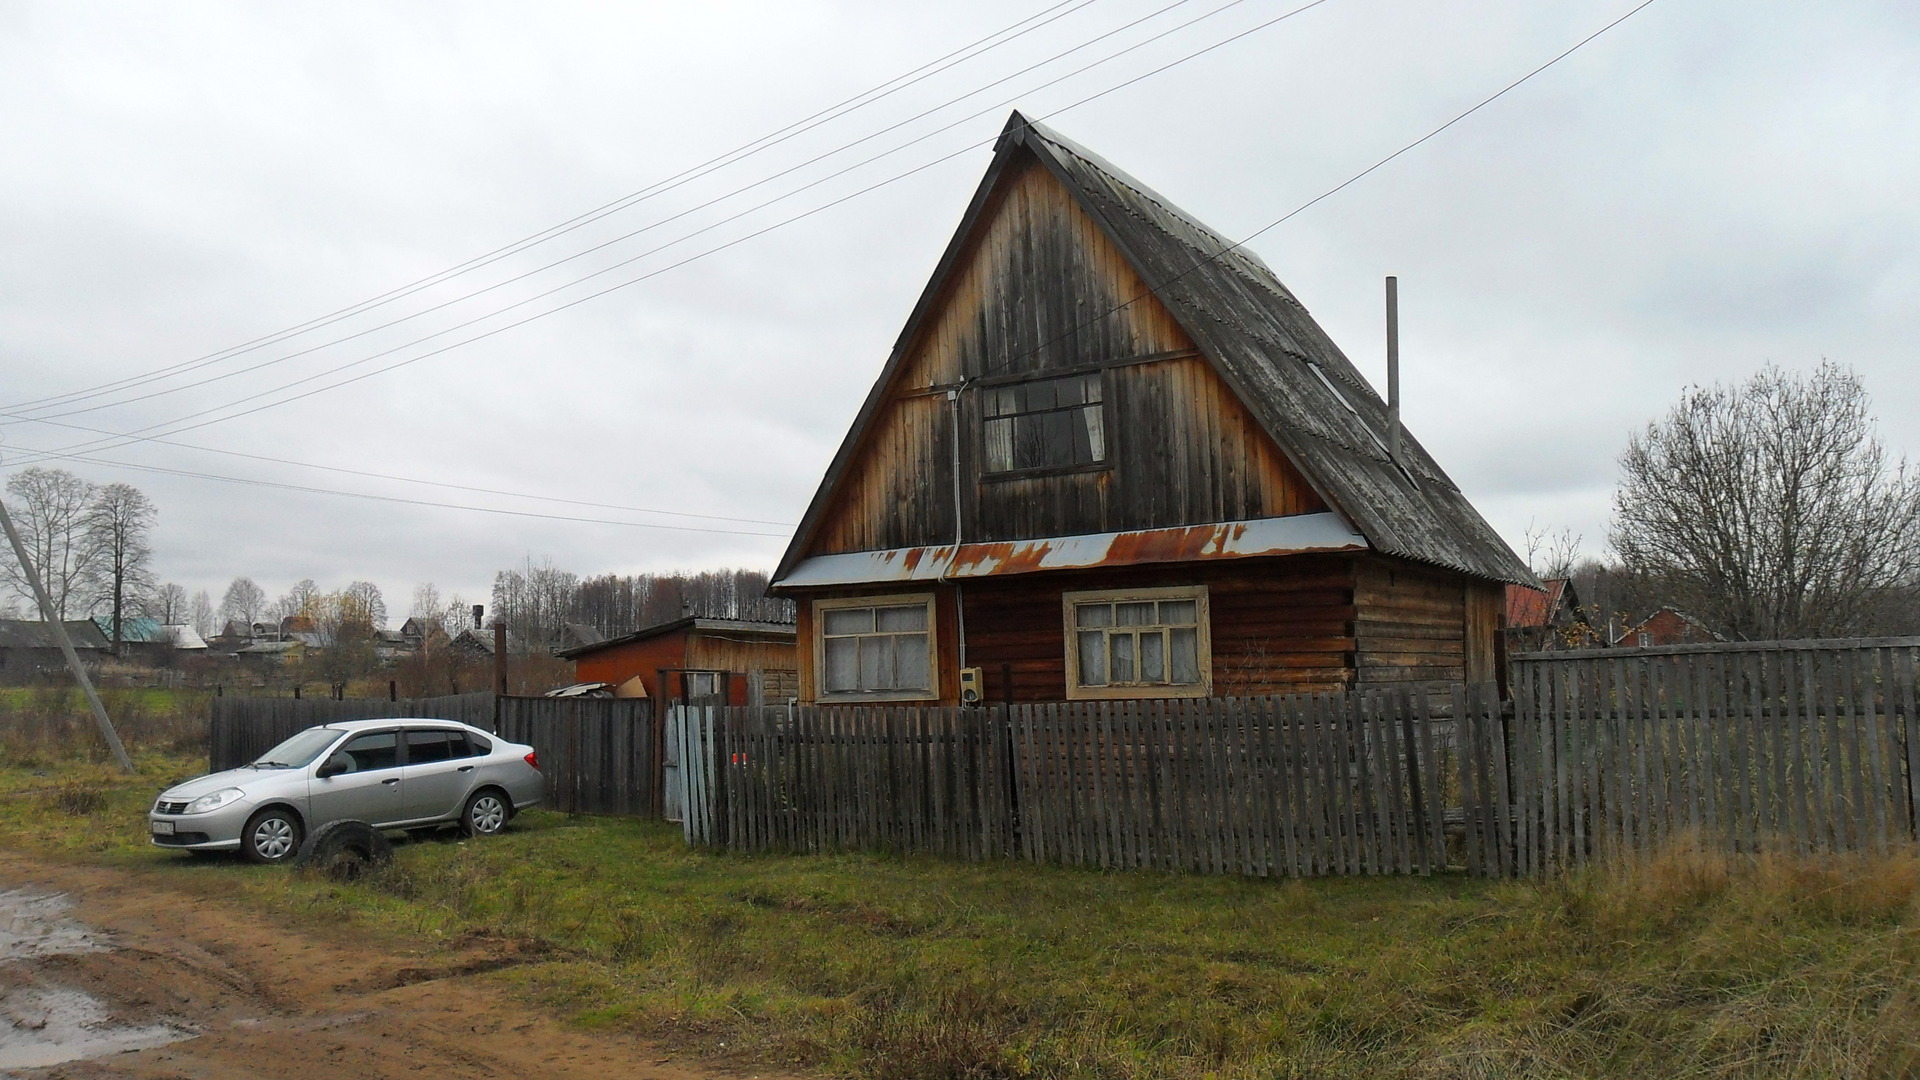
(1203, 636)
(838, 603)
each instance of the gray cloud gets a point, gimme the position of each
(1709, 187)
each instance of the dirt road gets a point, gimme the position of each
(154, 983)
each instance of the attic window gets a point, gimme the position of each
(1045, 424)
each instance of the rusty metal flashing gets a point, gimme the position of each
(1300, 533)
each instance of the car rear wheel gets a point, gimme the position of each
(271, 836)
(486, 813)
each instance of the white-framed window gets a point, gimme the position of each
(1044, 424)
(1138, 643)
(875, 648)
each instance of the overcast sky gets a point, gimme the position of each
(1712, 185)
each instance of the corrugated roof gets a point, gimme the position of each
(1308, 397)
(33, 634)
(134, 629)
(1265, 345)
(1224, 540)
(685, 622)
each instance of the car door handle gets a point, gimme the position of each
(391, 780)
(464, 768)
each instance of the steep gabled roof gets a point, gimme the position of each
(1306, 394)
(32, 634)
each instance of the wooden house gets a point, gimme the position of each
(695, 659)
(29, 648)
(1111, 455)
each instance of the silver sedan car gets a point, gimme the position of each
(392, 774)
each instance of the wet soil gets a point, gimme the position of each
(110, 974)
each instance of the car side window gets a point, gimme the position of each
(478, 745)
(427, 747)
(374, 750)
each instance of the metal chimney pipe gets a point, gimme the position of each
(1393, 369)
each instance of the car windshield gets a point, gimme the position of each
(299, 750)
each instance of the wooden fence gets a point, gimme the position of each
(1305, 785)
(1812, 745)
(598, 755)
(243, 728)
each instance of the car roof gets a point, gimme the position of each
(387, 722)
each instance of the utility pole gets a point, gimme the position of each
(66, 643)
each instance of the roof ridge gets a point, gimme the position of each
(1232, 253)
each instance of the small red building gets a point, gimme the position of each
(1549, 617)
(695, 659)
(1668, 626)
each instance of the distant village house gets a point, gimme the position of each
(696, 660)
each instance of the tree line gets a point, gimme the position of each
(539, 600)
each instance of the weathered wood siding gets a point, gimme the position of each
(1278, 625)
(1027, 300)
(702, 650)
(715, 651)
(1420, 624)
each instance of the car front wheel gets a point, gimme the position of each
(271, 836)
(486, 813)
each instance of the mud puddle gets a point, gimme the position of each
(48, 1025)
(42, 1021)
(37, 924)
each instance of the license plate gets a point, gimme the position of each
(162, 828)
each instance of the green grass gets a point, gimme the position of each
(1688, 964)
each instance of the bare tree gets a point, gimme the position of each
(304, 600)
(167, 603)
(1770, 509)
(343, 623)
(1551, 554)
(427, 603)
(118, 522)
(364, 604)
(244, 601)
(457, 616)
(202, 615)
(50, 510)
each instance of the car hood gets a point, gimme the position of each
(202, 785)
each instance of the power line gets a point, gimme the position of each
(137, 434)
(406, 501)
(740, 153)
(1212, 257)
(409, 479)
(15, 416)
(1341, 186)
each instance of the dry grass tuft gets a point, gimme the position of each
(76, 798)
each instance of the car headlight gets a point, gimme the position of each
(215, 800)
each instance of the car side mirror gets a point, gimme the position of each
(335, 765)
